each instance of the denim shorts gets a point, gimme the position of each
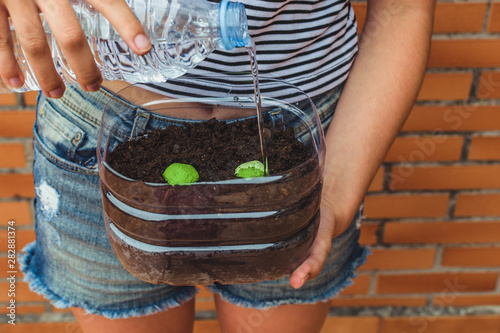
(72, 264)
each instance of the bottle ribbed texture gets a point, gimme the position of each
(182, 32)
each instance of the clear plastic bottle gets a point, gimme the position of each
(182, 32)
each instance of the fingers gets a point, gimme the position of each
(72, 41)
(69, 36)
(10, 72)
(118, 13)
(311, 267)
(30, 33)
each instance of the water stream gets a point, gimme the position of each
(258, 104)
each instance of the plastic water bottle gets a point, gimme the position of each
(182, 32)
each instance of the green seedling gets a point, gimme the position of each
(180, 173)
(250, 169)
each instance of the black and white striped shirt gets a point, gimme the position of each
(309, 43)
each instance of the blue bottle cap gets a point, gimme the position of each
(233, 24)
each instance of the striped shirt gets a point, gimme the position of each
(308, 43)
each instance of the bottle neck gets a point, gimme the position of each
(233, 24)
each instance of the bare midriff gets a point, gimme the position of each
(183, 110)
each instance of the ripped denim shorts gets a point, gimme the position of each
(72, 264)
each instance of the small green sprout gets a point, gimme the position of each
(250, 169)
(180, 173)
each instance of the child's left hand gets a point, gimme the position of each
(330, 226)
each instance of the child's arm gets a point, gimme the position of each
(377, 98)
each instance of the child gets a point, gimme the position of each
(311, 44)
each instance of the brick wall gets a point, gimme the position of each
(432, 213)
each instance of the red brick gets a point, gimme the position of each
(449, 17)
(369, 233)
(5, 262)
(489, 85)
(459, 17)
(25, 309)
(378, 301)
(360, 10)
(13, 155)
(477, 204)
(445, 177)
(471, 256)
(436, 282)
(465, 117)
(4, 265)
(494, 20)
(204, 300)
(394, 259)
(402, 205)
(30, 98)
(332, 325)
(425, 148)
(485, 148)
(22, 237)
(16, 123)
(206, 326)
(351, 324)
(8, 99)
(17, 211)
(377, 183)
(456, 324)
(17, 185)
(204, 305)
(441, 232)
(445, 86)
(203, 292)
(472, 300)
(43, 327)
(23, 293)
(360, 286)
(462, 53)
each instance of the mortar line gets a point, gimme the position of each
(452, 201)
(487, 16)
(438, 257)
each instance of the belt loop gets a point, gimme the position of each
(276, 116)
(140, 122)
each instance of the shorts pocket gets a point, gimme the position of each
(64, 138)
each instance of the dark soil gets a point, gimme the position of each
(214, 148)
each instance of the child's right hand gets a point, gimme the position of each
(69, 36)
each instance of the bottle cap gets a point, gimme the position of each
(233, 24)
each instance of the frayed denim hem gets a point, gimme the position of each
(37, 286)
(345, 282)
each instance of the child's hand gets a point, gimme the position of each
(69, 36)
(329, 227)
